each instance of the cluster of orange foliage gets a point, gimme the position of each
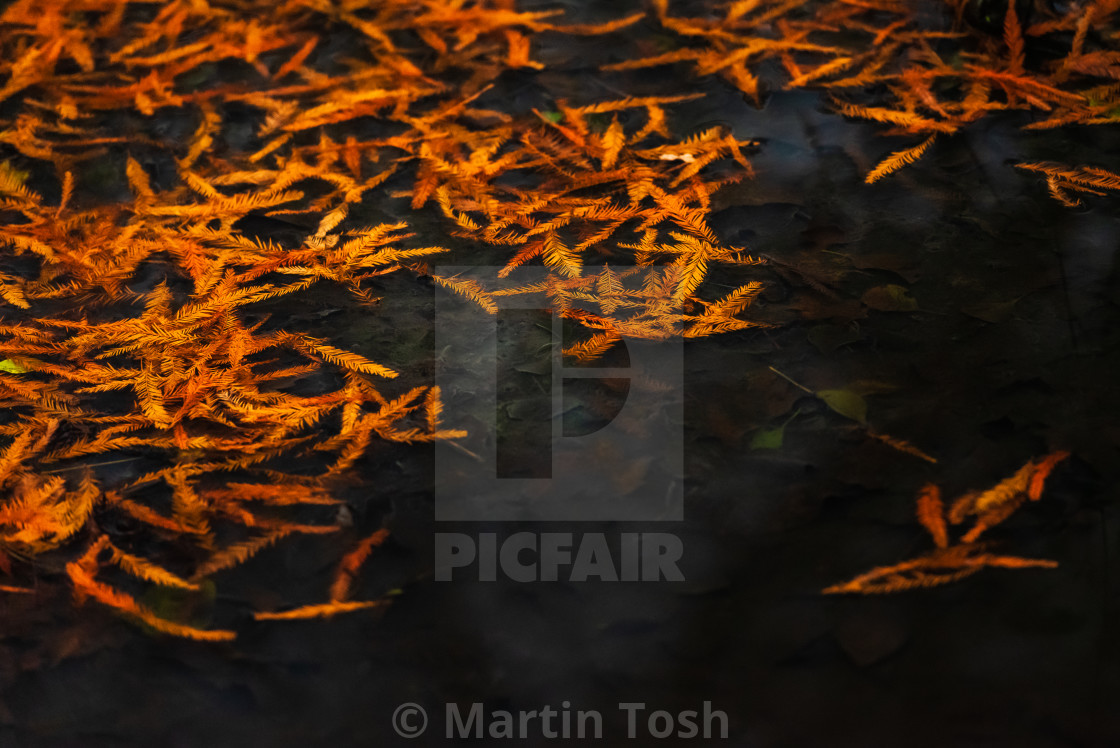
(950, 562)
(925, 69)
(604, 193)
(98, 361)
(99, 364)
(1063, 179)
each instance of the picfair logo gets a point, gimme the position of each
(546, 443)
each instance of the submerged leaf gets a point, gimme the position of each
(12, 367)
(768, 438)
(846, 403)
(771, 438)
(890, 298)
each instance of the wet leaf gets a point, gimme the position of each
(12, 367)
(890, 298)
(846, 403)
(768, 438)
(771, 438)
(185, 606)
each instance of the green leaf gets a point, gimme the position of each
(12, 367)
(16, 175)
(768, 438)
(771, 438)
(192, 607)
(890, 298)
(846, 403)
(553, 117)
